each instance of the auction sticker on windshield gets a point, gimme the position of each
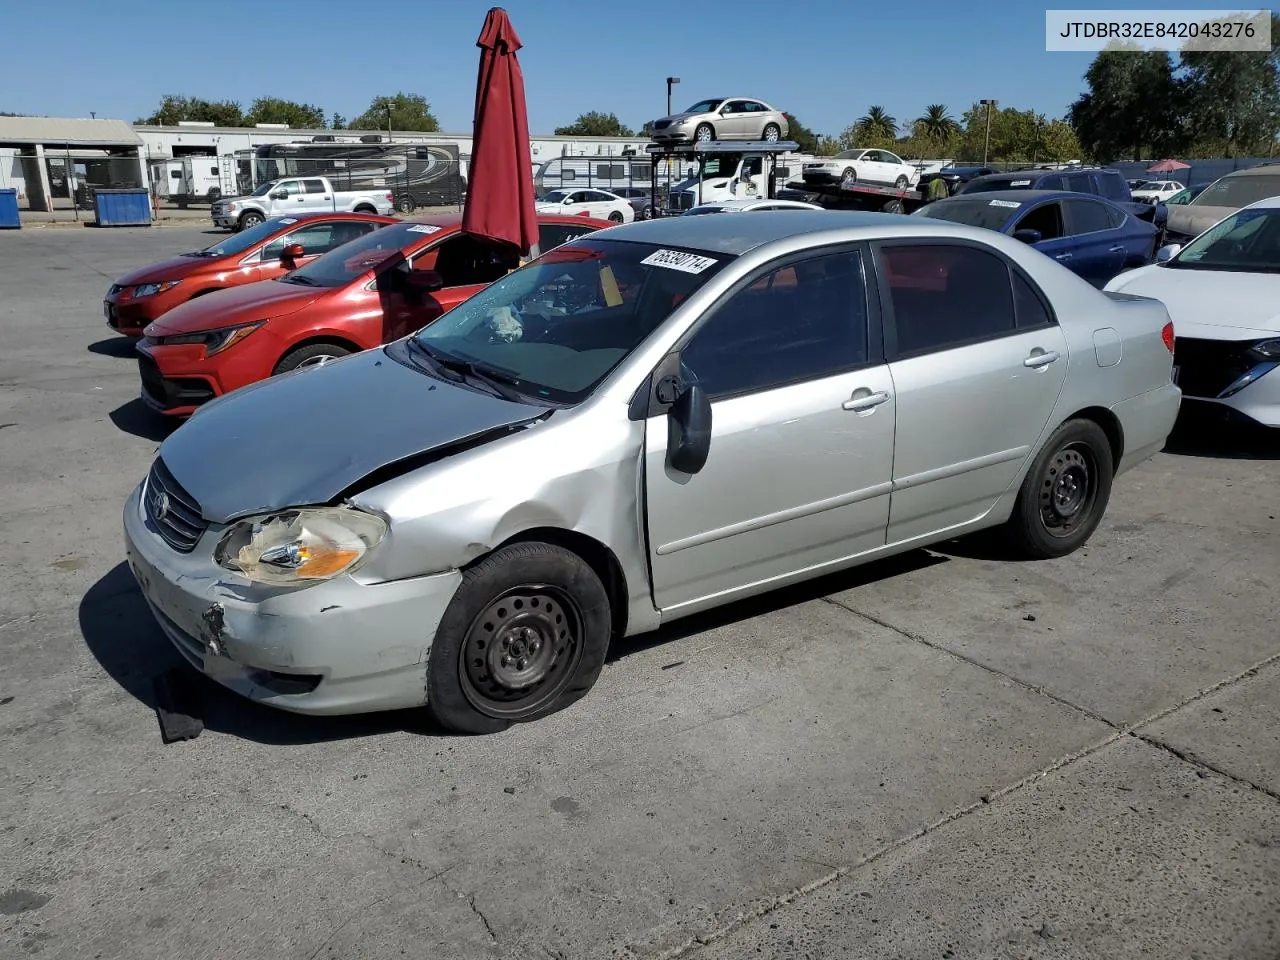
(288, 220)
(1013, 204)
(1020, 183)
(424, 228)
(675, 260)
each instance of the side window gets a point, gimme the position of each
(1114, 187)
(313, 186)
(1080, 183)
(800, 322)
(290, 187)
(1028, 308)
(887, 157)
(552, 235)
(1115, 218)
(1055, 182)
(1046, 218)
(318, 238)
(946, 295)
(1085, 216)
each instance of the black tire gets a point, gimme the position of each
(249, 219)
(848, 177)
(518, 611)
(704, 133)
(1064, 494)
(772, 133)
(311, 355)
(901, 182)
(364, 208)
(894, 206)
(615, 216)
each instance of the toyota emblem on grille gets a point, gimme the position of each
(161, 505)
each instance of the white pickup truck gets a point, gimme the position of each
(280, 198)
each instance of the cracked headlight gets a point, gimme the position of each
(151, 289)
(300, 546)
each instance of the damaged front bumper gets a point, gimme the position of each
(336, 647)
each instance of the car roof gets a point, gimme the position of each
(1268, 203)
(332, 215)
(1024, 196)
(738, 235)
(1261, 170)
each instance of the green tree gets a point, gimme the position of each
(337, 122)
(1058, 143)
(806, 139)
(1134, 104)
(1233, 98)
(936, 124)
(274, 110)
(408, 111)
(174, 108)
(595, 124)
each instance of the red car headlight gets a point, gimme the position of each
(215, 341)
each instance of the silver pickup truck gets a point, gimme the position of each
(297, 195)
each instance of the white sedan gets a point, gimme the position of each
(1223, 292)
(1155, 191)
(588, 203)
(742, 206)
(878, 167)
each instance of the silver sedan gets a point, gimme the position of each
(723, 118)
(641, 424)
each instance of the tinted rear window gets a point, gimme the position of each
(1239, 191)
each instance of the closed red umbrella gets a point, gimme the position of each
(1168, 166)
(500, 182)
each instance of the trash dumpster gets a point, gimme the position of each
(9, 210)
(122, 208)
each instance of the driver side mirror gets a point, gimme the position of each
(1028, 236)
(279, 195)
(1168, 252)
(424, 281)
(292, 252)
(689, 430)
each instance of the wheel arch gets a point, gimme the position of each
(314, 338)
(602, 561)
(1110, 425)
(364, 208)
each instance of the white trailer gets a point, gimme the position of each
(187, 180)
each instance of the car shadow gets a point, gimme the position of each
(123, 636)
(1205, 434)
(122, 348)
(137, 418)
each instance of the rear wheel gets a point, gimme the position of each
(894, 206)
(525, 636)
(364, 208)
(1064, 494)
(250, 219)
(772, 133)
(311, 355)
(705, 133)
(406, 205)
(615, 216)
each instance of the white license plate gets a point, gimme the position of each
(1174, 374)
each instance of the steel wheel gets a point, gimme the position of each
(1068, 489)
(521, 651)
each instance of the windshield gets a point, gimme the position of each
(1248, 242)
(263, 189)
(698, 211)
(848, 155)
(985, 186)
(242, 241)
(1238, 191)
(555, 196)
(1148, 185)
(353, 259)
(705, 106)
(555, 328)
(989, 214)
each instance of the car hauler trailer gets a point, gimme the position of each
(726, 170)
(862, 196)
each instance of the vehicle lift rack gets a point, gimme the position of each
(863, 196)
(702, 151)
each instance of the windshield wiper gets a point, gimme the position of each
(292, 278)
(499, 381)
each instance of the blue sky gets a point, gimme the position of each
(825, 61)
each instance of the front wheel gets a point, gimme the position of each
(525, 636)
(901, 183)
(311, 355)
(705, 133)
(1064, 494)
(848, 177)
(250, 219)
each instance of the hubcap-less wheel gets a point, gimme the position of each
(521, 651)
(704, 133)
(1067, 491)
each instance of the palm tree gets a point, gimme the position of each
(878, 124)
(936, 123)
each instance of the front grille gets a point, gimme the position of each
(166, 393)
(173, 513)
(662, 124)
(1207, 367)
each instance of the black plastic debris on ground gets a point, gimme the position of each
(178, 706)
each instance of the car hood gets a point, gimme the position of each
(262, 300)
(303, 438)
(1208, 304)
(175, 268)
(1191, 220)
(677, 117)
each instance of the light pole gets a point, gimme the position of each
(671, 82)
(986, 146)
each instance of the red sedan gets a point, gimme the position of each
(371, 291)
(265, 251)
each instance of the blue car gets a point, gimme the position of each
(1094, 238)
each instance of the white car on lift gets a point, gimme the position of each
(588, 203)
(743, 206)
(878, 167)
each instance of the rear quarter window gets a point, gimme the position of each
(1114, 187)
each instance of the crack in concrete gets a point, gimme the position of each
(1188, 757)
(471, 902)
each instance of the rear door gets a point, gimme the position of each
(977, 362)
(1098, 250)
(317, 198)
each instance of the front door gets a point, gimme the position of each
(802, 436)
(314, 238)
(977, 362)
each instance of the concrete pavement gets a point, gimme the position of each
(942, 755)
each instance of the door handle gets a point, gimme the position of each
(1037, 360)
(1062, 256)
(1117, 249)
(866, 402)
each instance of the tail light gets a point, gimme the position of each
(388, 197)
(1167, 335)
